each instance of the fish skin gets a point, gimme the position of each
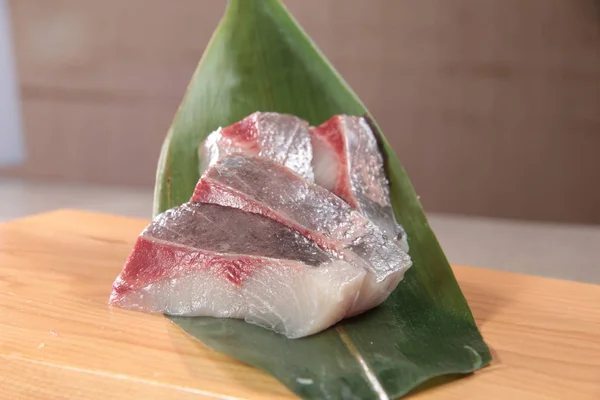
(342, 155)
(192, 261)
(347, 161)
(332, 257)
(280, 137)
(265, 187)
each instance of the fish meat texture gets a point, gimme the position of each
(342, 155)
(282, 138)
(290, 227)
(265, 187)
(347, 161)
(210, 260)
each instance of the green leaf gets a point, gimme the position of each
(260, 59)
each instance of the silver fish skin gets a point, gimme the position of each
(278, 137)
(267, 188)
(348, 162)
(210, 260)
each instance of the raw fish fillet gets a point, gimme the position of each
(265, 187)
(282, 138)
(347, 161)
(210, 260)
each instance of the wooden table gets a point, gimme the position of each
(59, 339)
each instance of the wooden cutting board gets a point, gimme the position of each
(60, 340)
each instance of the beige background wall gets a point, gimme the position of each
(493, 106)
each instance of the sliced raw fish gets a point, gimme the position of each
(347, 161)
(265, 187)
(210, 260)
(282, 138)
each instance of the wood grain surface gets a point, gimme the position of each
(60, 340)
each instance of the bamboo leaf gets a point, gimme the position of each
(259, 59)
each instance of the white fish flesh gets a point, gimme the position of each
(282, 138)
(347, 161)
(209, 260)
(290, 228)
(268, 188)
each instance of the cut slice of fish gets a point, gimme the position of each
(210, 260)
(282, 138)
(267, 188)
(347, 161)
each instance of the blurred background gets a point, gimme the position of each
(493, 107)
